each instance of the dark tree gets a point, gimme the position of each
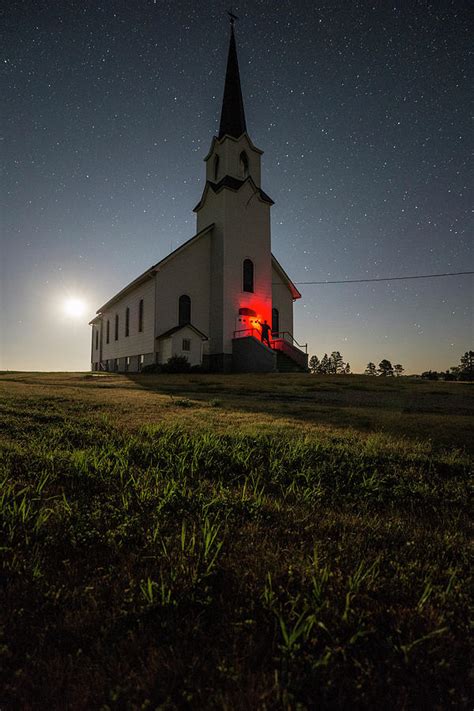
(430, 375)
(336, 363)
(347, 369)
(314, 364)
(385, 368)
(466, 366)
(398, 369)
(449, 375)
(371, 369)
(324, 365)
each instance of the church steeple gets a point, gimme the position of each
(233, 161)
(232, 114)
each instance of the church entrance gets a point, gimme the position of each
(246, 323)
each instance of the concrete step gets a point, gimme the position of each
(285, 364)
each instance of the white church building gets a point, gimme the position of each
(209, 298)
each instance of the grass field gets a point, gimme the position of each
(234, 542)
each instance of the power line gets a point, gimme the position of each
(398, 278)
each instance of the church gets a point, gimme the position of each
(221, 299)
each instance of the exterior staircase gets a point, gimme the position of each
(250, 355)
(291, 358)
(285, 364)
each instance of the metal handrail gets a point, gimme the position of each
(249, 331)
(275, 336)
(294, 342)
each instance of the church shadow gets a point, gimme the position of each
(401, 412)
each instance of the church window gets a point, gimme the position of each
(244, 164)
(186, 344)
(248, 275)
(116, 326)
(184, 315)
(275, 322)
(96, 338)
(127, 321)
(216, 167)
(108, 332)
(140, 315)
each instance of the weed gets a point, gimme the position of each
(183, 402)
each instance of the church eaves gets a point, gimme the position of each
(232, 114)
(151, 272)
(234, 184)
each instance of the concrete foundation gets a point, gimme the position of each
(251, 356)
(217, 362)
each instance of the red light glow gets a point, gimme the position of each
(252, 315)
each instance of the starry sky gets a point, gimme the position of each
(361, 109)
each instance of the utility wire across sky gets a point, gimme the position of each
(397, 278)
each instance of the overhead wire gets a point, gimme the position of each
(396, 278)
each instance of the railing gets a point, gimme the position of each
(275, 336)
(282, 341)
(289, 338)
(289, 349)
(255, 332)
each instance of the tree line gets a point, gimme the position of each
(463, 371)
(385, 369)
(329, 365)
(335, 365)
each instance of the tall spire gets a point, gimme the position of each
(232, 114)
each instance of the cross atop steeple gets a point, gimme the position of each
(232, 114)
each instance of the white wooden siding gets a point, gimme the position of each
(283, 301)
(173, 346)
(137, 343)
(187, 273)
(242, 230)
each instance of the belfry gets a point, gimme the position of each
(216, 296)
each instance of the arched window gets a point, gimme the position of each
(216, 167)
(184, 316)
(275, 322)
(244, 164)
(116, 326)
(248, 275)
(96, 338)
(127, 321)
(108, 331)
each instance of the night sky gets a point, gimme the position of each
(361, 109)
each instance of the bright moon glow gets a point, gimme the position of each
(74, 307)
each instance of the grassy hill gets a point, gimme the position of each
(239, 542)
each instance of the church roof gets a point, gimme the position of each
(232, 113)
(284, 276)
(234, 184)
(150, 272)
(170, 331)
(219, 142)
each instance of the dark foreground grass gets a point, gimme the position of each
(176, 566)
